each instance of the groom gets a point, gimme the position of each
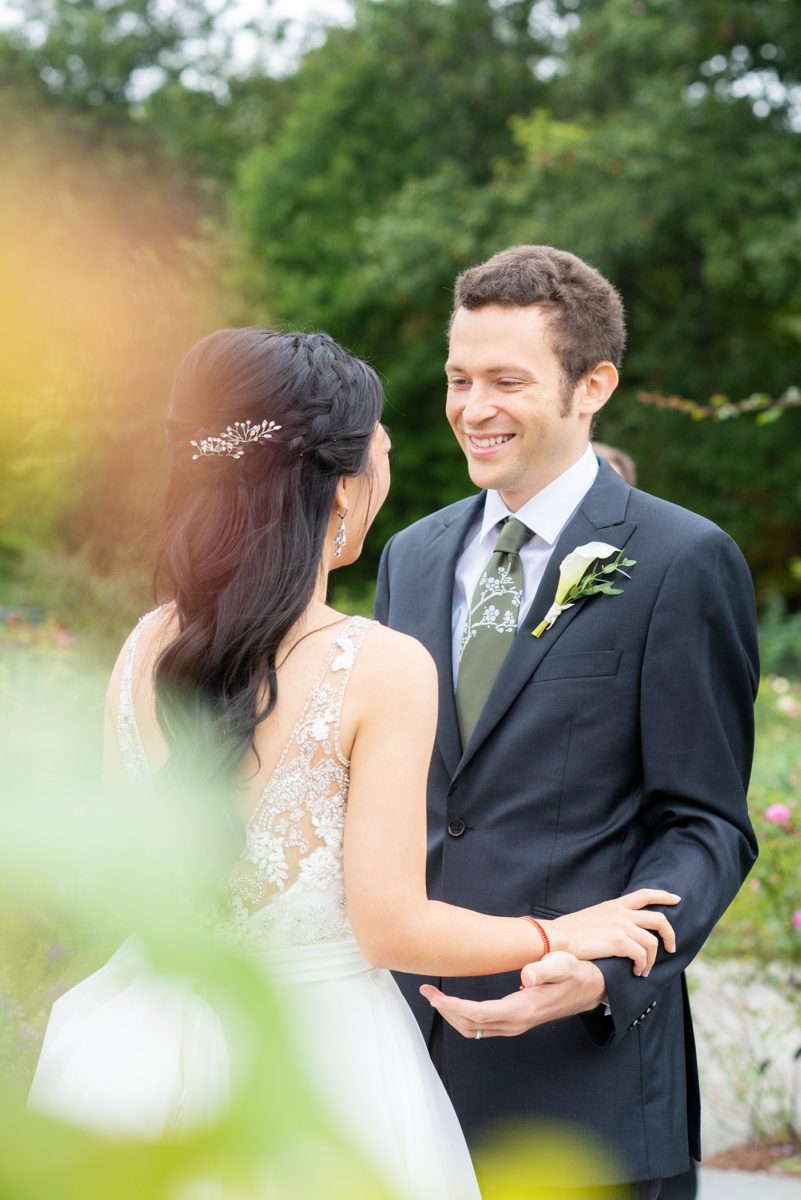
(604, 751)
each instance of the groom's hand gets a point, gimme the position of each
(559, 985)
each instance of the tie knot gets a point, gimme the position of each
(514, 535)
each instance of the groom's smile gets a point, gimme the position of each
(483, 445)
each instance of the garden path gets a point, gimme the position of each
(743, 1024)
(745, 1185)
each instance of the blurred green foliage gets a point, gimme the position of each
(82, 868)
(759, 926)
(780, 639)
(166, 191)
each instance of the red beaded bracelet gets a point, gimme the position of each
(540, 931)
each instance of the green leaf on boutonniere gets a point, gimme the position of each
(582, 574)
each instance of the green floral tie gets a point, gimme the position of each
(491, 624)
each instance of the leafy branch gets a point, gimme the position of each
(720, 408)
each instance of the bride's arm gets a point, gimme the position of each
(391, 718)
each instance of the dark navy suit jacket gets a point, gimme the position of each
(612, 753)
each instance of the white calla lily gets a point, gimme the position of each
(573, 565)
(577, 581)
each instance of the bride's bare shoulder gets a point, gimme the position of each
(394, 677)
(396, 660)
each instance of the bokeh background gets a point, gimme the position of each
(172, 166)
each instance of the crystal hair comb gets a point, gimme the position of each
(232, 441)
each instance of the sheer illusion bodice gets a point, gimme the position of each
(288, 888)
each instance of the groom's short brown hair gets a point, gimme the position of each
(587, 325)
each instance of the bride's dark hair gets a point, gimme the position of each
(243, 538)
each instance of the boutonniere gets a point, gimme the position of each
(583, 574)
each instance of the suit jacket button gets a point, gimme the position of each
(456, 828)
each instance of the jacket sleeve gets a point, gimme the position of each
(381, 602)
(700, 674)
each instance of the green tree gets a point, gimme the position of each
(99, 56)
(659, 142)
(671, 158)
(392, 131)
(144, 78)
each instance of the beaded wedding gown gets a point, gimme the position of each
(127, 1052)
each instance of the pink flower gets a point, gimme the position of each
(756, 884)
(797, 919)
(778, 814)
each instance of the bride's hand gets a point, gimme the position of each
(622, 928)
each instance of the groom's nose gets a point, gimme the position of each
(479, 404)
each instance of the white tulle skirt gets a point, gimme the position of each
(127, 1052)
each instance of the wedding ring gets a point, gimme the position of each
(479, 1034)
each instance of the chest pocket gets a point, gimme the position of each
(588, 664)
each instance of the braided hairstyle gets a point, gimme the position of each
(243, 538)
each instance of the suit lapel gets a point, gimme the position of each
(600, 517)
(436, 617)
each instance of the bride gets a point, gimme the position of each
(319, 727)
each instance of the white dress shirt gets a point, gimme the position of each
(546, 514)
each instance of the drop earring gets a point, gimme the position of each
(341, 537)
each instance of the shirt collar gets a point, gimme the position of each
(549, 511)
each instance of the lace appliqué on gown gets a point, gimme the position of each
(288, 888)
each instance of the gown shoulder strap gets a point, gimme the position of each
(315, 734)
(129, 738)
(348, 645)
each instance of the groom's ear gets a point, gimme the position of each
(595, 388)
